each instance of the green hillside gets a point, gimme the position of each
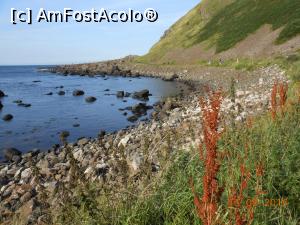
(224, 23)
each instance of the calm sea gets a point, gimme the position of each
(39, 126)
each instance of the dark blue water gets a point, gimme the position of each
(39, 125)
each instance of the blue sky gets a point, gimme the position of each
(61, 43)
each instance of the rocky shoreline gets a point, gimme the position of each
(129, 154)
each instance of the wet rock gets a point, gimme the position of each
(127, 94)
(144, 94)
(61, 93)
(9, 153)
(24, 105)
(132, 118)
(76, 125)
(2, 94)
(120, 94)
(64, 134)
(106, 90)
(1, 106)
(7, 117)
(101, 134)
(90, 99)
(78, 92)
(50, 93)
(18, 101)
(139, 109)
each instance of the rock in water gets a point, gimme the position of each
(132, 118)
(144, 94)
(10, 153)
(1, 106)
(78, 92)
(61, 93)
(90, 99)
(120, 94)
(139, 109)
(7, 117)
(64, 134)
(24, 105)
(1, 94)
(18, 101)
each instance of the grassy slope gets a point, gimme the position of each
(223, 25)
(184, 32)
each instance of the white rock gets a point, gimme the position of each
(135, 161)
(240, 93)
(78, 155)
(26, 173)
(261, 81)
(124, 141)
